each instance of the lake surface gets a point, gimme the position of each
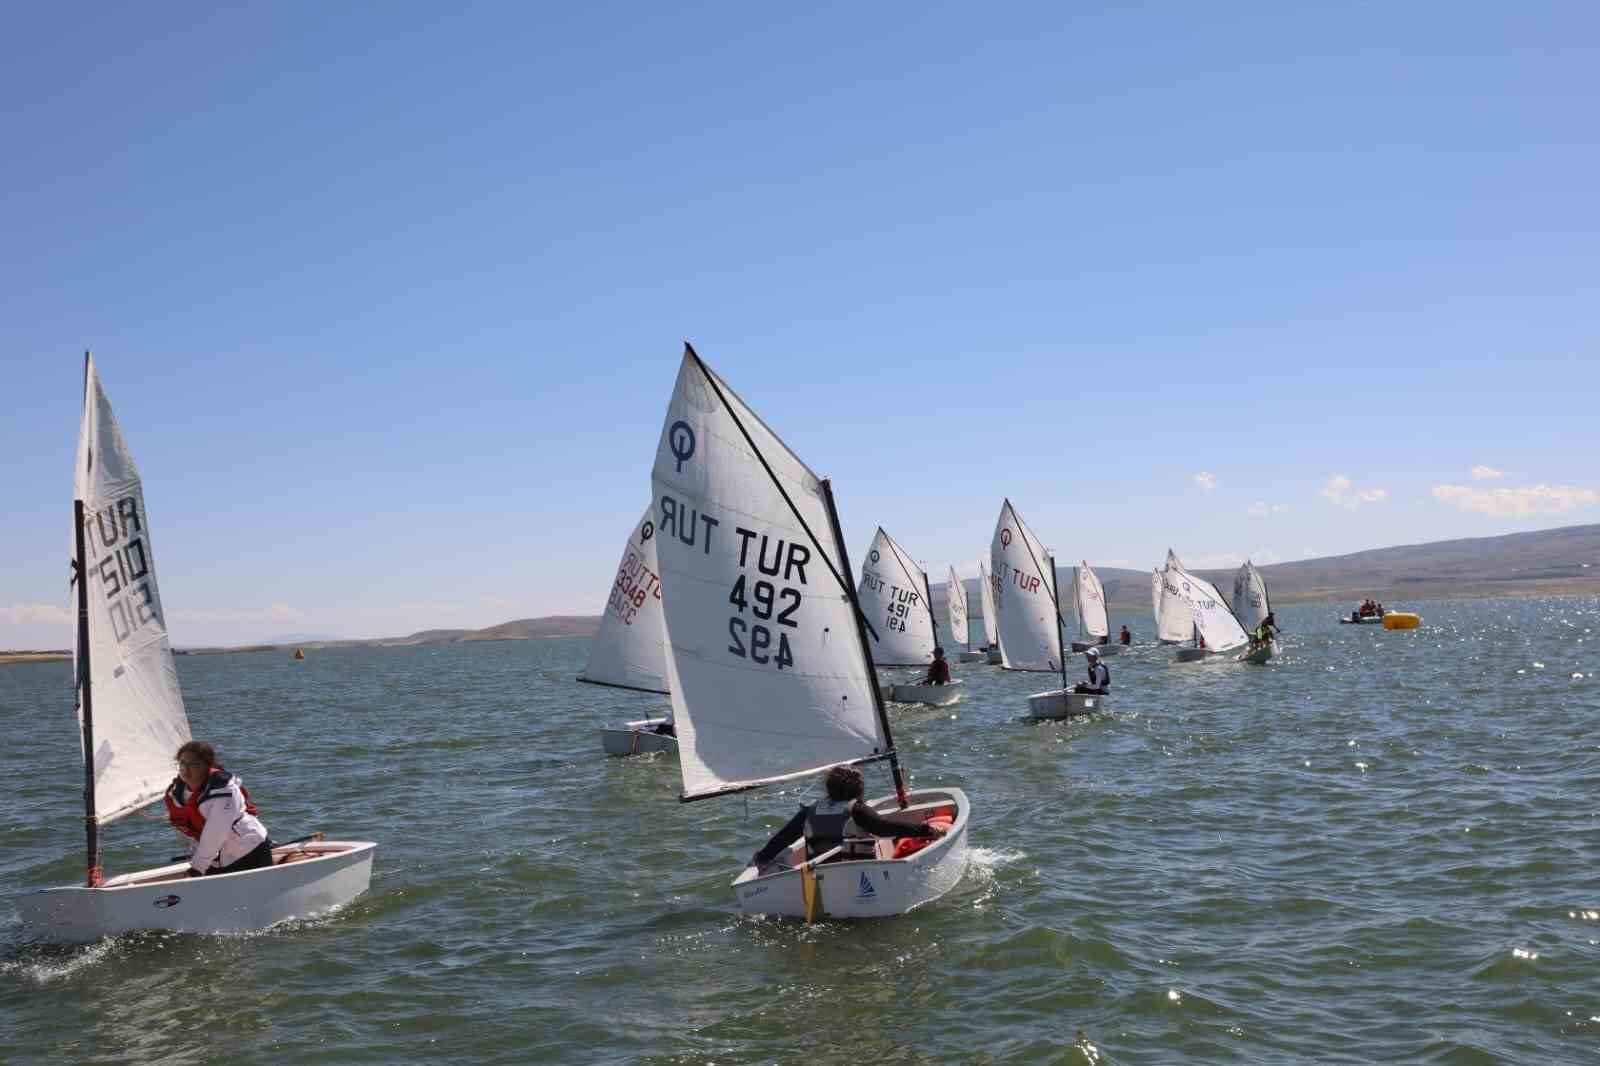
(1380, 847)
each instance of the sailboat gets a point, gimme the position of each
(960, 630)
(1028, 614)
(991, 628)
(1214, 621)
(895, 597)
(1250, 605)
(1089, 596)
(630, 650)
(770, 660)
(132, 720)
(1174, 620)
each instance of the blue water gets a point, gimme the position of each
(1380, 847)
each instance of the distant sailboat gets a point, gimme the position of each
(898, 605)
(991, 625)
(770, 663)
(1213, 618)
(1028, 606)
(960, 629)
(1094, 627)
(299, 655)
(132, 720)
(630, 650)
(1174, 620)
(1250, 606)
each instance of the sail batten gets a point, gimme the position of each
(1025, 597)
(630, 649)
(769, 674)
(138, 714)
(893, 597)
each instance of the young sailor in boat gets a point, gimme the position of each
(1099, 677)
(844, 815)
(210, 807)
(1264, 632)
(1124, 637)
(938, 670)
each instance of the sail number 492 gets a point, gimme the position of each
(754, 640)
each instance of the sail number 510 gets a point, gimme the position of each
(753, 640)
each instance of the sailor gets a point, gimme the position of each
(210, 808)
(1124, 637)
(1099, 677)
(938, 670)
(832, 822)
(1265, 630)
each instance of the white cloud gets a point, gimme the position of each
(47, 614)
(1484, 473)
(1205, 480)
(1539, 499)
(1342, 491)
(1262, 509)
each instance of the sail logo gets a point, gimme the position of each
(1005, 538)
(647, 531)
(680, 439)
(875, 555)
(165, 901)
(865, 889)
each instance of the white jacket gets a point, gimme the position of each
(229, 834)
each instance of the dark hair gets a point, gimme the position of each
(202, 751)
(844, 783)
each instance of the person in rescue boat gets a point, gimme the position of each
(210, 808)
(938, 670)
(1099, 677)
(829, 823)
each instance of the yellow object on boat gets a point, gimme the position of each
(1401, 620)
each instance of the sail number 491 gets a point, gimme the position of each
(753, 640)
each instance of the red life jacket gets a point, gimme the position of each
(186, 817)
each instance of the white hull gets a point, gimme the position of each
(1102, 650)
(636, 738)
(933, 695)
(333, 873)
(973, 657)
(868, 888)
(1060, 703)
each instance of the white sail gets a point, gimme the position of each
(770, 678)
(1250, 603)
(893, 597)
(1091, 596)
(630, 651)
(1026, 603)
(991, 627)
(1212, 615)
(138, 716)
(957, 594)
(1155, 596)
(1174, 619)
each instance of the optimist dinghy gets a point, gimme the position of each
(1028, 612)
(933, 695)
(1089, 597)
(1213, 619)
(1251, 605)
(630, 650)
(770, 661)
(132, 719)
(898, 603)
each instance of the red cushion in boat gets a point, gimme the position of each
(904, 846)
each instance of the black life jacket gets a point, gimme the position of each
(828, 825)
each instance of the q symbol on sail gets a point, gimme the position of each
(680, 438)
(1005, 538)
(647, 531)
(874, 554)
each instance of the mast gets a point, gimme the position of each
(927, 597)
(826, 486)
(91, 824)
(1061, 643)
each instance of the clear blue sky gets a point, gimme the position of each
(389, 299)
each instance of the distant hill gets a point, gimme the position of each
(1546, 562)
